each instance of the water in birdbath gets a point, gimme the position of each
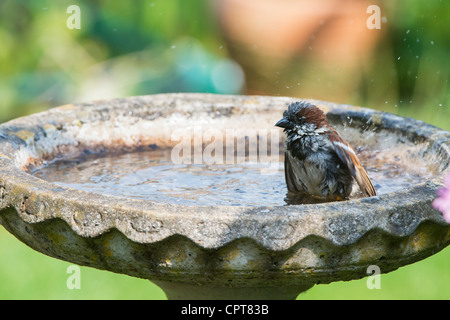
(151, 175)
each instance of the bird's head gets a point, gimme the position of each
(302, 116)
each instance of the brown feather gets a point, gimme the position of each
(349, 158)
(313, 115)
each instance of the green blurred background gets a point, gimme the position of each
(308, 49)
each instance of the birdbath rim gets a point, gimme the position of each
(144, 221)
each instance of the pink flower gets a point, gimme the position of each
(442, 203)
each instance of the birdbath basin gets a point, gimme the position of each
(204, 246)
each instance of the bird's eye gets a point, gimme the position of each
(300, 119)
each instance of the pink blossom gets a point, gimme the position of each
(442, 203)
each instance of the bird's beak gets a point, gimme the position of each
(284, 123)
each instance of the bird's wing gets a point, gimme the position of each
(292, 182)
(348, 156)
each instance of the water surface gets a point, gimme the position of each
(152, 175)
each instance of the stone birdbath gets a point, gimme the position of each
(247, 251)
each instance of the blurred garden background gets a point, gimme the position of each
(308, 49)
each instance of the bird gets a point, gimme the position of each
(318, 161)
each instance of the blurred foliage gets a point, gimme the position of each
(155, 46)
(413, 65)
(121, 49)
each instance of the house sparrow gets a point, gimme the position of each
(317, 160)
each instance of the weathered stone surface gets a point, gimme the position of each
(298, 245)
